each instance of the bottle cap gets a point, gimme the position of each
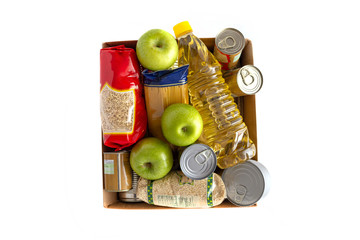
(182, 28)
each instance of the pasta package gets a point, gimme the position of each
(177, 190)
(163, 88)
(122, 107)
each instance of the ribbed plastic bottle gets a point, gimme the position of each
(224, 129)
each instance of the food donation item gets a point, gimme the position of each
(246, 183)
(177, 190)
(198, 161)
(224, 130)
(122, 106)
(229, 44)
(181, 124)
(163, 88)
(151, 158)
(157, 50)
(117, 171)
(244, 81)
(130, 196)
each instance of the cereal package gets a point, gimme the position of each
(122, 106)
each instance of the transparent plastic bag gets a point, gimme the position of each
(177, 190)
(163, 88)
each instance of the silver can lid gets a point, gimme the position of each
(230, 41)
(249, 79)
(246, 183)
(198, 161)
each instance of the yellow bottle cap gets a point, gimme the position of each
(182, 28)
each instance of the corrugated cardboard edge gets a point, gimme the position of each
(110, 199)
(249, 102)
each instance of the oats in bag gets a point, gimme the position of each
(177, 190)
(122, 106)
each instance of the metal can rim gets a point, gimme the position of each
(182, 159)
(241, 85)
(265, 177)
(242, 41)
(121, 151)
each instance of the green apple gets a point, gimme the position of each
(151, 158)
(181, 124)
(157, 50)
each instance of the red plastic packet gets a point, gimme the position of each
(122, 106)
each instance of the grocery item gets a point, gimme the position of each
(243, 81)
(163, 88)
(181, 124)
(177, 190)
(157, 50)
(224, 129)
(130, 196)
(117, 171)
(198, 161)
(151, 158)
(229, 44)
(246, 183)
(122, 107)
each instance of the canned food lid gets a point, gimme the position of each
(198, 161)
(249, 79)
(246, 183)
(230, 41)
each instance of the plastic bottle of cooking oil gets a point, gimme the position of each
(224, 129)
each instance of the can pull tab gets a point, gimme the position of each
(240, 193)
(202, 157)
(246, 76)
(223, 44)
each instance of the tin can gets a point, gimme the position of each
(229, 44)
(130, 196)
(198, 161)
(244, 81)
(246, 183)
(117, 171)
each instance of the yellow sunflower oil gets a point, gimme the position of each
(224, 129)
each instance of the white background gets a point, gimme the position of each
(307, 118)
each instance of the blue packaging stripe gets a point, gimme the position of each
(166, 78)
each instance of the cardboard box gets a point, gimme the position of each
(246, 106)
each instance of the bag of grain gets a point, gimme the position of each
(177, 190)
(122, 106)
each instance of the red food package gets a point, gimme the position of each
(122, 106)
